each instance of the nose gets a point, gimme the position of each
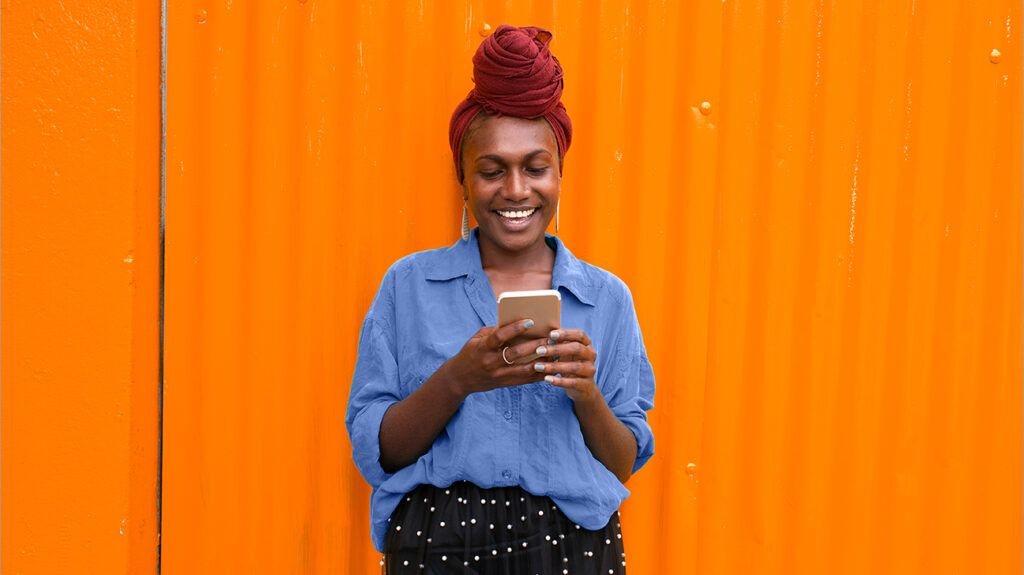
(515, 188)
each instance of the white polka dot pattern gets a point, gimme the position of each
(421, 537)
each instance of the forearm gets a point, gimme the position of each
(611, 442)
(410, 426)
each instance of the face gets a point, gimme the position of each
(511, 179)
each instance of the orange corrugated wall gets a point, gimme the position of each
(817, 206)
(79, 287)
(826, 261)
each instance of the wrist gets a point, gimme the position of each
(450, 384)
(589, 398)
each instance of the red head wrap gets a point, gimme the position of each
(515, 74)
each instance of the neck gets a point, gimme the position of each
(537, 257)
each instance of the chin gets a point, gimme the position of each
(514, 242)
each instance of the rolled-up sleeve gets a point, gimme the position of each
(375, 388)
(630, 387)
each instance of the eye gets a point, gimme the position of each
(489, 175)
(538, 171)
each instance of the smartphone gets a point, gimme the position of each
(544, 307)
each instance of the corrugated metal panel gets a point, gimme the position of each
(80, 178)
(825, 256)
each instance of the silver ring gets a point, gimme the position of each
(503, 356)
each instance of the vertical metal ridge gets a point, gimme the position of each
(853, 478)
(162, 265)
(1, 291)
(806, 298)
(897, 361)
(941, 451)
(250, 62)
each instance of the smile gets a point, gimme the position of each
(516, 214)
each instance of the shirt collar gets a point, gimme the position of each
(569, 273)
(463, 259)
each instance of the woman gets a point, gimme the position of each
(481, 462)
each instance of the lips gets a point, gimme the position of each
(516, 220)
(516, 214)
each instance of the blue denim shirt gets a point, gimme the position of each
(428, 305)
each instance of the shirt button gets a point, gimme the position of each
(508, 414)
(506, 474)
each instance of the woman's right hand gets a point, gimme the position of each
(480, 366)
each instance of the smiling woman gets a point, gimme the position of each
(480, 463)
(511, 185)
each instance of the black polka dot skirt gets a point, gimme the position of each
(466, 530)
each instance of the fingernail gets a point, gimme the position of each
(549, 378)
(528, 324)
(542, 350)
(538, 366)
(555, 334)
(551, 341)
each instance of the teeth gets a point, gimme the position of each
(517, 214)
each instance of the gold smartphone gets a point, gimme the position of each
(544, 307)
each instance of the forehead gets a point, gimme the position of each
(507, 136)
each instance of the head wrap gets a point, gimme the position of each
(515, 74)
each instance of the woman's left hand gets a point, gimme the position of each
(572, 358)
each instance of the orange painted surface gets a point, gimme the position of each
(79, 388)
(826, 261)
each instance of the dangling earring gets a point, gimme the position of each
(557, 206)
(465, 222)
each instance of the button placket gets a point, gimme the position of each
(510, 407)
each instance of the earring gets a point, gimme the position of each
(465, 222)
(558, 205)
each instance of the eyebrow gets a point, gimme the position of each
(497, 158)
